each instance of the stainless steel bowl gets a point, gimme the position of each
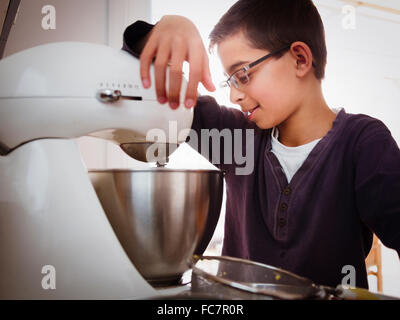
(159, 215)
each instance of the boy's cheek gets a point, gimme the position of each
(270, 116)
(276, 108)
(269, 96)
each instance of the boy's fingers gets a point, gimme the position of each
(175, 76)
(195, 75)
(146, 58)
(160, 68)
(206, 78)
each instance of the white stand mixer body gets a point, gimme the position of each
(49, 212)
(49, 91)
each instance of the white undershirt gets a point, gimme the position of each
(291, 158)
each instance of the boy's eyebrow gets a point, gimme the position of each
(235, 65)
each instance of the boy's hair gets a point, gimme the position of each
(272, 24)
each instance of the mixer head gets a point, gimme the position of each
(74, 89)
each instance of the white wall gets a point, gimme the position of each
(95, 21)
(75, 21)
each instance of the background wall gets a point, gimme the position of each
(95, 21)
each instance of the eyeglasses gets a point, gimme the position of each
(240, 77)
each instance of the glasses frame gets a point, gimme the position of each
(231, 79)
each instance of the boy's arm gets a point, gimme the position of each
(216, 129)
(377, 184)
(207, 113)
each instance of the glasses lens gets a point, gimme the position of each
(234, 82)
(240, 77)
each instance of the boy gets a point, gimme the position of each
(323, 179)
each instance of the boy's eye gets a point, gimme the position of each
(242, 77)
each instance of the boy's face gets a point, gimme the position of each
(273, 85)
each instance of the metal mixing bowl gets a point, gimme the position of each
(159, 215)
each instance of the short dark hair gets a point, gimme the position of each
(272, 24)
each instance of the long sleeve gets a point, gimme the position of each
(134, 37)
(221, 133)
(216, 145)
(377, 183)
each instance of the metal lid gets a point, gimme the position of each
(253, 277)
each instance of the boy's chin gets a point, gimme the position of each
(263, 126)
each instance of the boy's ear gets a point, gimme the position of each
(303, 58)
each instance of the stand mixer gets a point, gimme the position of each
(50, 215)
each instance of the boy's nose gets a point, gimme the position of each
(236, 96)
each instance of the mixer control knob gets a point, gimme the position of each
(108, 95)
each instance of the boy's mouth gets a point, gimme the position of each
(250, 113)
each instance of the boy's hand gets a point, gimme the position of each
(173, 40)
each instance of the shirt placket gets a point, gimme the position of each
(281, 215)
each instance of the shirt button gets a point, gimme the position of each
(287, 191)
(283, 206)
(282, 222)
